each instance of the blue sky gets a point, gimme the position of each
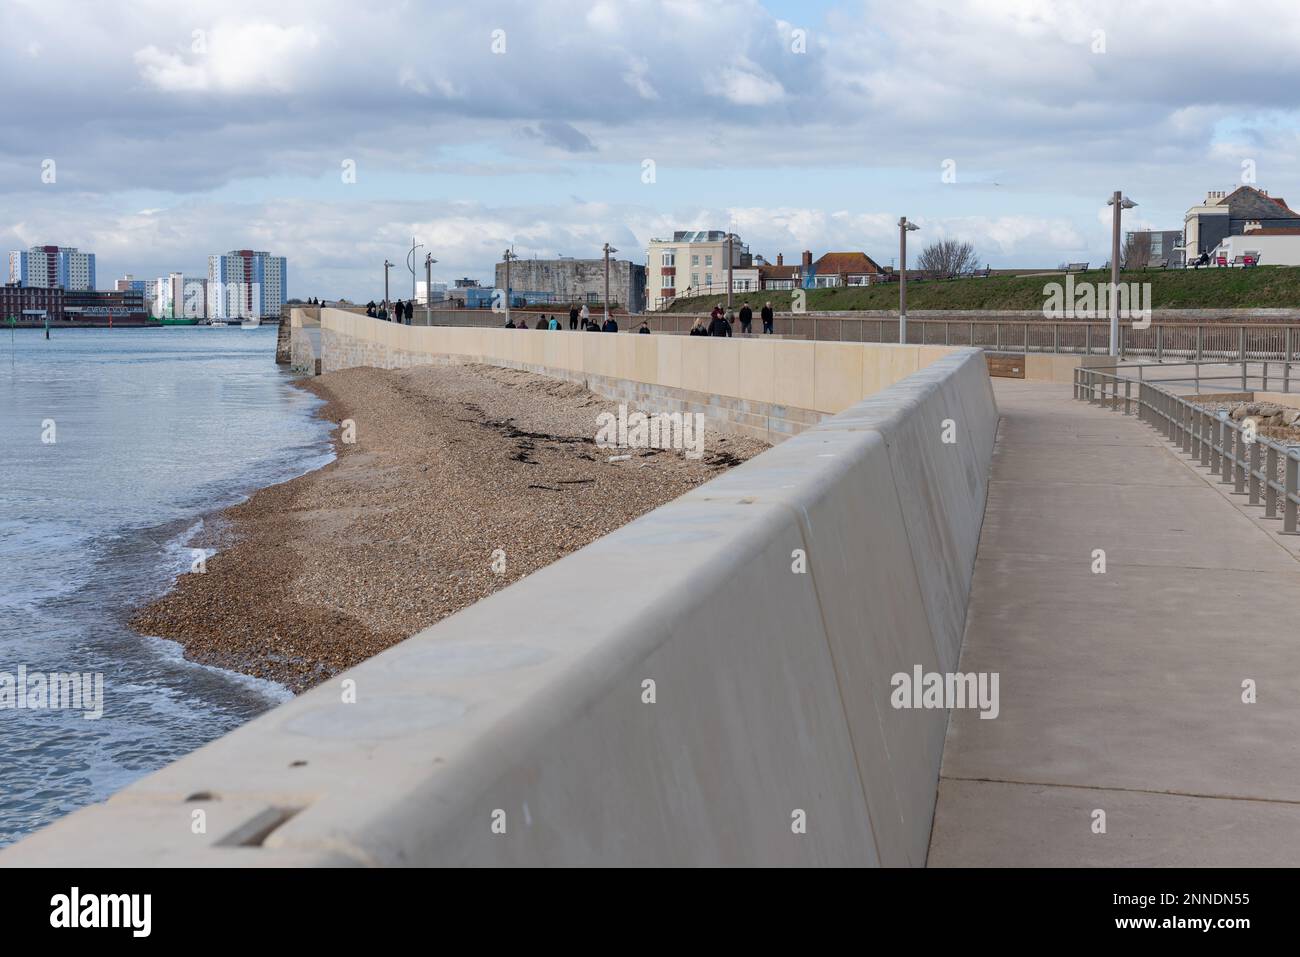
(177, 130)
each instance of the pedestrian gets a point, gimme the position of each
(541, 322)
(698, 329)
(586, 315)
(410, 310)
(573, 316)
(591, 325)
(767, 316)
(715, 313)
(383, 311)
(746, 318)
(609, 325)
(644, 329)
(554, 324)
(718, 326)
(510, 323)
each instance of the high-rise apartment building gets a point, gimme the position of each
(48, 266)
(244, 284)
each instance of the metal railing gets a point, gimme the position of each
(1230, 450)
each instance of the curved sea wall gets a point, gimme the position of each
(770, 389)
(707, 685)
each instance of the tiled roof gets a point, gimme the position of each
(836, 263)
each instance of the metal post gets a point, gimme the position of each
(1270, 493)
(1207, 439)
(1160, 343)
(1216, 436)
(1265, 375)
(1254, 473)
(1239, 461)
(903, 228)
(1128, 384)
(1056, 337)
(1288, 505)
(1199, 330)
(730, 236)
(1116, 199)
(1243, 365)
(1241, 344)
(1185, 426)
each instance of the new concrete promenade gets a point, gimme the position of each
(1121, 692)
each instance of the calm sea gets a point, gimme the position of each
(153, 431)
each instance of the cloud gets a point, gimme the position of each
(560, 135)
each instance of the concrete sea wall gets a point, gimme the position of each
(764, 388)
(707, 685)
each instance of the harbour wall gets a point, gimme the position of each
(707, 685)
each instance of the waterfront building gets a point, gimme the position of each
(49, 266)
(565, 280)
(30, 303)
(694, 258)
(245, 283)
(178, 296)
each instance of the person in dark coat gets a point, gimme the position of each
(541, 323)
(719, 326)
(768, 317)
(610, 325)
(510, 323)
(644, 329)
(573, 317)
(698, 329)
(593, 325)
(746, 318)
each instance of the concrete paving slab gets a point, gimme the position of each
(992, 824)
(1123, 687)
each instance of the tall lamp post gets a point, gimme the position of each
(387, 266)
(410, 264)
(904, 227)
(508, 256)
(731, 238)
(1118, 203)
(608, 249)
(428, 288)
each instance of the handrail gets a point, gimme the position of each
(1219, 444)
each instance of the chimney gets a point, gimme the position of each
(780, 259)
(807, 258)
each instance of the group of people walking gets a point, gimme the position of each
(400, 312)
(578, 318)
(721, 321)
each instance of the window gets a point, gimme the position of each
(708, 279)
(1157, 244)
(695, 279)
(666, 282)
(669, 258)
(708, 260)
(695, 260)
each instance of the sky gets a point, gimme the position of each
(156, 133)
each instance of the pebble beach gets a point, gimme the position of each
(453, 470)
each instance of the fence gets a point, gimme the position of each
(1230, 450)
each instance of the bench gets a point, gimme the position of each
(1076, 267)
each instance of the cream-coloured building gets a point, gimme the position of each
(693, 262)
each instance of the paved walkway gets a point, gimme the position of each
(1122, 692)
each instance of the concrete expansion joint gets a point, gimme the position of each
(1121, 788)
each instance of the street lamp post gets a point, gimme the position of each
(508, 256)
(410, 264)
(1119, 202)
(608, 249)
(730, 239)
(387, 266)
(428, 288)
(904, 227)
